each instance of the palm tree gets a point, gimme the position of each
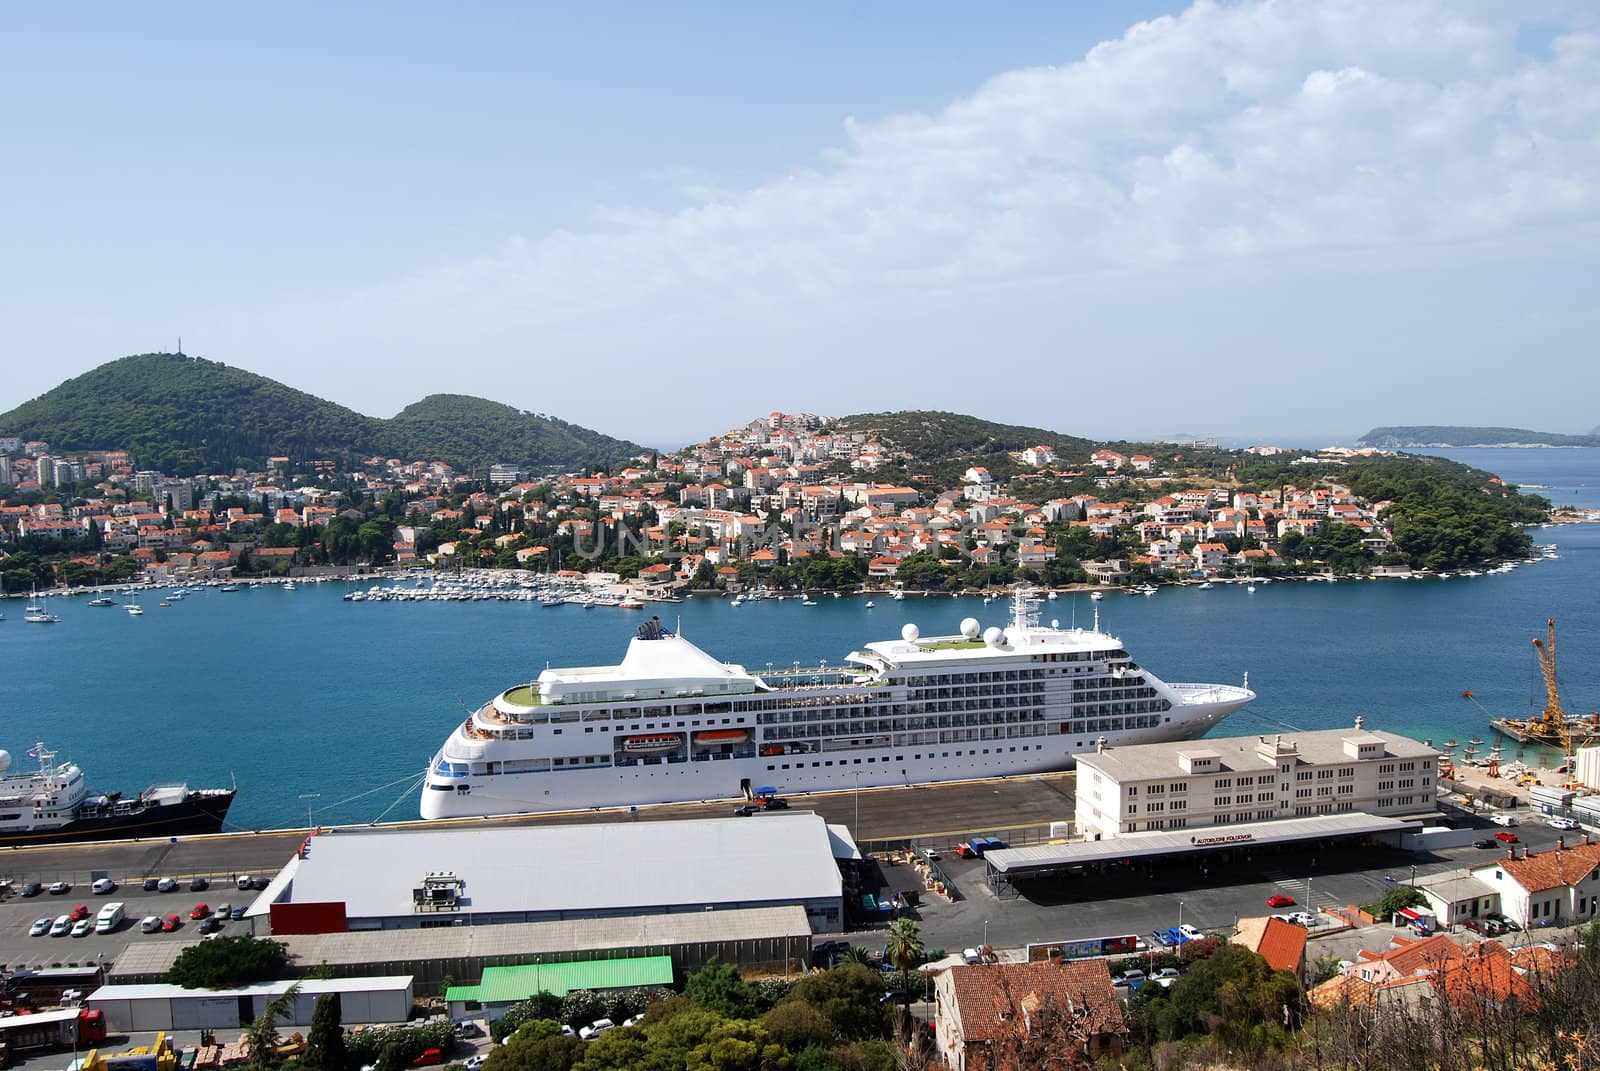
(904, 949)
(262, 1035)
(855, 954)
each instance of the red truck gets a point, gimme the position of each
(60, 1028)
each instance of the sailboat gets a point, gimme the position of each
(132, 605)
(36, 613)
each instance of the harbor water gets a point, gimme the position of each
(307, 701)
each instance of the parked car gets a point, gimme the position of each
(79, 912)
(199, 884)
(1503, 820)
(1303, 918)
(237, 912)
(429, 1058)
(1130, 978)
(60, 888)
(746, 810)
(223, 911)
(1506, 836)
(167, 885)
(472, 1063)
(930, 854)
(40, 928)
(1190, 933)
(1162, 938)
(83, 927)
(244, 881)
(103, 887)
(1280, 900)
(61, 926)
(210, 924)
(595, 1029)
(171, 924)
(32, 888)
(1561, 823)
(1486, 842)
(150, 924)
(1165, 977)
(151, 885)
(775, 803)
(633, 1020)
(966, 851)
(199, 911)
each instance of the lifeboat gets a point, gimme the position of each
(722, 736)
(651, 742)
(771, 749)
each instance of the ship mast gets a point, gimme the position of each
(1024, 609)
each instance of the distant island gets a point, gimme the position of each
(1400, 438)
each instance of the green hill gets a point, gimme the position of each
(491, 432)
(1448, 435)
(930, 435)
(186, 415)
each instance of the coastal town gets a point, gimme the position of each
(785, 503)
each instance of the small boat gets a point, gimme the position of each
(722, 736)
(103, 601)
(869, 604)
(807, 602)
(1251, 588)
(630, 604)
(1207, 586)
(164, 602)
(1097, 595)
(736, 601)
(134, 609)
(288, 585)
(1050, 595)
(229, 587)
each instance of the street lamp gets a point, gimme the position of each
(308, 797)
(1413, 875)
(1180, 916)
(985, 935)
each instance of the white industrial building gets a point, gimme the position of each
(131, 1008)
(381, 880)
(1253, 779)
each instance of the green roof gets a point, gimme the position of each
(504, 985)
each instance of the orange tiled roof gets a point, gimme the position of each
(1553, 869)
(991, 997)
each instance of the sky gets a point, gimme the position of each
(1250, 220)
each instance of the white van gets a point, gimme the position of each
(109, 918)
(595, 1029)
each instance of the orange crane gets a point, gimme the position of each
(1553, 726)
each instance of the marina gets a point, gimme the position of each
(296, 693)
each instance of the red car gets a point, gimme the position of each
(1280, 900)
(200, 911)
(170, 923)
(79, 912)
(1507, 836)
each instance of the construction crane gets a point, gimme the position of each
(1555, 718)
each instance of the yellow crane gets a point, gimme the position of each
(1555, 717)
(1553, 727)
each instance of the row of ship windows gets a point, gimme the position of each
(870, 760)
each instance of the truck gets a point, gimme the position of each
(59, 1028)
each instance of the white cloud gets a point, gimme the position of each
(1226, 134)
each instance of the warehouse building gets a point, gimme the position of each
(503, 988)
(437, 878)
(769, 940)
(1253, 779)
(131, 1008)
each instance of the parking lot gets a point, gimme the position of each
(1188, 891)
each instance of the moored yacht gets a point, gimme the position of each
(671, 722)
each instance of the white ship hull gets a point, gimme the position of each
(727, 779)
(672, 724)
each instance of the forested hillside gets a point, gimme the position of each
(185, 415)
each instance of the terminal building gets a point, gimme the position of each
(440, 878)
(1217, 798)
(1247, 779)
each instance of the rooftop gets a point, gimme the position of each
(563, 937)
(611, 867)
(1238, 754)
(502, 985)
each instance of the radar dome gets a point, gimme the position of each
(992, 636)
(1055, 622)
(910, 632)
(969, 627)
(5, 761)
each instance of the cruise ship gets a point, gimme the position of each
(671, 723)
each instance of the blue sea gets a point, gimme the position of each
(303, 699)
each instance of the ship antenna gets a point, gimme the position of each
(1097, 617)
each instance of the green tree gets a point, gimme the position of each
(718, 987)
(325, 1049)
(1395, 900)
(261, 1036)
(904, 950)
(538, 1045)
(848, 996)
(227, 962)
